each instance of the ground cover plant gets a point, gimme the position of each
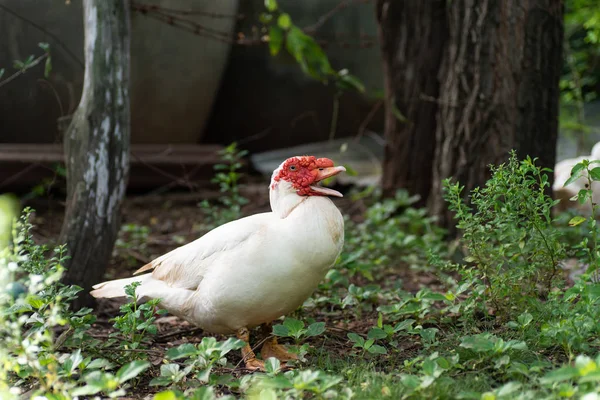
(404, 313)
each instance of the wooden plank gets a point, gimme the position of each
(140, 153)
(23, 166)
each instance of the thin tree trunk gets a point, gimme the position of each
(499, 90)
(412, 35)
(97, 145)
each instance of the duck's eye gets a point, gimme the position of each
(321, 169)
(292, 167)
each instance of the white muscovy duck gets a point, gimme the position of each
(253, 270)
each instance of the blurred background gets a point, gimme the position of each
(201, 75)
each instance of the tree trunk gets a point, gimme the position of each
(412, 35)
(97, 146)
(499, 90)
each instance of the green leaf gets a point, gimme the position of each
(347, 81)
(268, 394)
(356, 338)
(44, 46)
(271, 5)
(377, 349)
(595, 174)
(315, 329)
(204, 393)
(35, 301)
(169, 370)
(1, 72)
(376, 333)
(167, 395)
(404, 325)
(272, 365)
(308, 54)
(576, 173)
(525, 319)
(584, 195)
(280, 330)
(160, 381)
(275, 39)
(434, 296)
(509, 388)
(294, 325)
(184, 350)
(99, 363)
(131, 370)
(577, 220)
(478, 343)
(561, 374)
(284, 21)
(73, 361)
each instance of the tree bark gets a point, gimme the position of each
(412, 34)
(97, 146)
(499, 90)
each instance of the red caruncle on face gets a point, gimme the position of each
(301, 172)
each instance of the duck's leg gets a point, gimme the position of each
(273, 349)
(247, 354)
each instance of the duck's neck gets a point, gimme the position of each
(284, 199)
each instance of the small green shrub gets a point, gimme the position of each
(34, 305)
(514, 251)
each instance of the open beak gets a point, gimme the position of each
(325, 173)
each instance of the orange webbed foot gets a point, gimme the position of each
(273, 349)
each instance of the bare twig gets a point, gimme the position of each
(153, 7)
(368, 118)
(327, 16)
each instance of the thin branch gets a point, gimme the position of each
(23, 70)
(154, 7)
(327, 16)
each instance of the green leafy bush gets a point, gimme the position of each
(513, 249)
(34, 306)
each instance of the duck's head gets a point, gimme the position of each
(299, 177)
